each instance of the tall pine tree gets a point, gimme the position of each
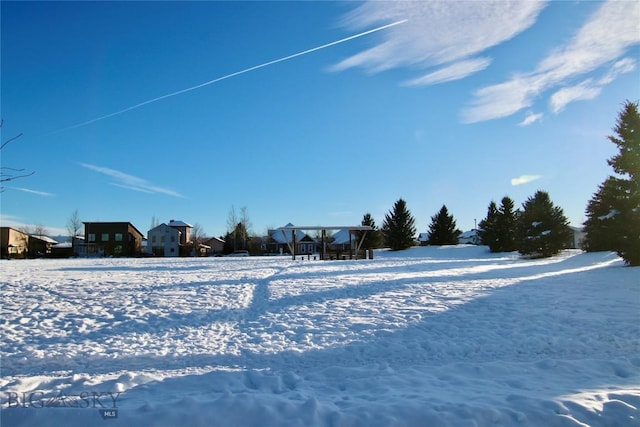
(613, 214)
(542, 228)
(398, 228)
(506, 226)
(442, 230)
(487, 228)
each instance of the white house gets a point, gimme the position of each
(163, 240)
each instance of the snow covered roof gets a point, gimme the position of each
(468, 234)
(174, 223)
(45, 239)
(166, 227)
(284, 237)
(217, 239)
(341, 237)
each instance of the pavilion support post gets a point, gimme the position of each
(359, 246)
(293, 239)
(286, 239)
(351, 248)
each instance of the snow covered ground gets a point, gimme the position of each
(451, 336)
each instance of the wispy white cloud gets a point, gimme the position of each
(580, 92)
(450, 35)
(438, 33)
(36, 192)
(456, 71)
(623, 66)
(589, 88)
(604, 38)
(524, 179)
(531, 118)
(130, 182)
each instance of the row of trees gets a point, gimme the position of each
(399, 230)
(540, 228)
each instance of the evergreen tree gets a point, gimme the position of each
(398, 228)
(442, 230)
(602, 228)
(372, 238)
(487, 228)
(506, 226)
(236, 240)
(613, 214)
(542, 228)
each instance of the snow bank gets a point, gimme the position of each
(428, 336)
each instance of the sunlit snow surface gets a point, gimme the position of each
(424, 337)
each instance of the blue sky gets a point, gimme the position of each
(461, 104)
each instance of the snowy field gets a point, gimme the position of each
(450, 336)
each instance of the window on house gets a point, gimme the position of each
(92, 237)
(118, 237)
(173, 239)
(153, 239)
(161, 239)
(105, 237)
(117, 250)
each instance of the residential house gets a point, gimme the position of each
(17, 244)
(163, 240)
(68, 250)
(343, 244)
(423, 239)
(40, 245)
(112, 239)
(13, 243)
(469, 238)
(216, 245)
(278, 242)
(343, 241)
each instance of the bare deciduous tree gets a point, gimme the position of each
(40, 231)
(154, 222)
(74, 228)
(232, 220)
(8, 173)
(244, 219)
(197, 237)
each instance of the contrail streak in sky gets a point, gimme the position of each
(237, 73)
